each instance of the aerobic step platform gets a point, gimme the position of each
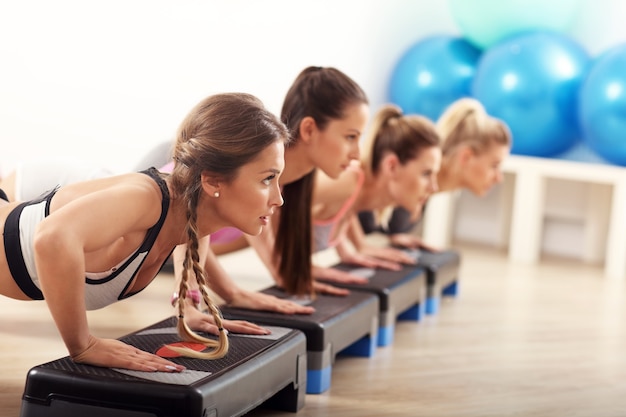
(402, 295)
(258, 370)
(442, 276)
(339, 324)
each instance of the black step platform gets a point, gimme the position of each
(442, 276)
(340, 324)
(258, 370)
(402, 294)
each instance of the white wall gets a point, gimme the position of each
(109, 79)
(105, 81)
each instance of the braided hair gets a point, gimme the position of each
(221, 134)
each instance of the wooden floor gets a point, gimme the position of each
(547, 340)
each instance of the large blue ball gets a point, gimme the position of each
(603, 105)
(532, 81)
(432, 74)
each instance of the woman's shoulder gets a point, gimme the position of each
(133, 186)
(339, 188)
(123, 202)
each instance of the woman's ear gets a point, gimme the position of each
(390, 165)
(307, 128)
(210, 183)
(465, 154)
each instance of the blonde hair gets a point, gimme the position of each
(466, 123)
(221, 134)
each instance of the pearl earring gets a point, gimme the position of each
(216, 194)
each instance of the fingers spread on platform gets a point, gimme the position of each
(113, 353)
(244, 327)
(258, 301)
(329, 289)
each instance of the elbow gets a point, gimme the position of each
(48, 243)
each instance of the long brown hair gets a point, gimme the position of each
(322, 93)
(221, 134)
(393, 132)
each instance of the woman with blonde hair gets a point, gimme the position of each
(474, 145)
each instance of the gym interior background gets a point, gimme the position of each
(108, 81)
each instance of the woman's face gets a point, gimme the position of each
(338, 143)
(248, 201)
(483, 171)
(416, 180)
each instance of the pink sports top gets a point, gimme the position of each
(325, 233)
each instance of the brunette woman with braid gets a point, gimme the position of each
(89, 244)
(326, 113)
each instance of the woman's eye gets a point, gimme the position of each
(268, 180)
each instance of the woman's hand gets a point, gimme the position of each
(406, 240)
(392, 255)
(259, 301)
(377, 260)
(321, 288)
(337, 275)
(113, 353)
(203, 322)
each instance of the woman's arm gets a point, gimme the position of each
(224, 286)
(355, 233)
(60, 244)
(369, 255)
(199, 320)
(263, 244)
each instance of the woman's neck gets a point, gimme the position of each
(206, 223)
(297, 164)
(374, 195)
(447, 179)
(173, 229)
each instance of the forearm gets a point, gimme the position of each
(344, 249)
(263, 244)
(355, 233)
(217, 278)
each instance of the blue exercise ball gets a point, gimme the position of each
(486, 22)
(532, 81)
(603, 105)
(432, 74)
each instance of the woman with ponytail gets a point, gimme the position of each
(89, 244)
(326, 112)
(474, 145)
(399, 167)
